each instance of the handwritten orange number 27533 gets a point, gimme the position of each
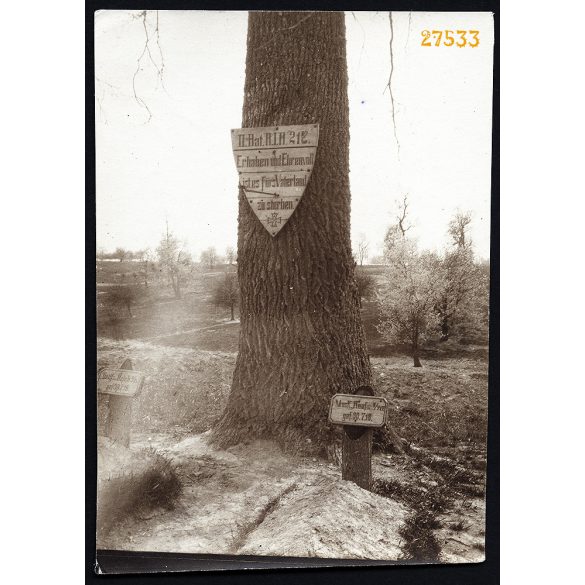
(448, 38)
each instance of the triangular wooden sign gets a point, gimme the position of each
(274, 166)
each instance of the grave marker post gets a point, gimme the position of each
(358, 417)
(120, 387)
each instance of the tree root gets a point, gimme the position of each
(292, 439)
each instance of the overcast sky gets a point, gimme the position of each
(174, 162)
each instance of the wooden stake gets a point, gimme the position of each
(119, 414)
(356, 450)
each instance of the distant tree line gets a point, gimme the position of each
(423, 295)
(170, 266)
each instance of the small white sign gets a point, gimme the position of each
(359, 411)
(119, 382)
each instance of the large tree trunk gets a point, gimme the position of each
(301, 337)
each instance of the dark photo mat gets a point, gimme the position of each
(140, 567)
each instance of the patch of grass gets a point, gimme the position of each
(460, 480)
(177, 383)
(472, 490)
(438, 406)
(420, 542)
(435, 500)
(428, 501)
(458, 526)
(160, 486)
(128, 494)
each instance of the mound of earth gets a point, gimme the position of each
(331, 519)
(254, 499)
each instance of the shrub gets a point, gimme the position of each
(153, 484)
(366, 284)
(227, 292)
(124, 297)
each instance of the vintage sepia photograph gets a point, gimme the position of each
(293, 283)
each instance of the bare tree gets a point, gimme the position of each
(399, 228)
(459, 230)
(173, 260)
(401, 216)
(209, 257)
(362, 249)
(230, 255)
(146, 259)
(120, 254)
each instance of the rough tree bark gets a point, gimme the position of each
(301, 338)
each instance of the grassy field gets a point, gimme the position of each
(156, 311)
(441, 405)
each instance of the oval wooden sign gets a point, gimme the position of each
(274, 165)
(122, 382)
(361, 411)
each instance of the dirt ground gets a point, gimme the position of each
(254, 499)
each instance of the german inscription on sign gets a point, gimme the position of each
(361, 411)
(119, 382)
(274, 166)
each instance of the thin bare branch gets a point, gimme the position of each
(403, 208)
(389, 85)
(162, 58)
(138, 99)
(146, 51)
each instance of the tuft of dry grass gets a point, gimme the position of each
(419, 541)
(155, 485)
